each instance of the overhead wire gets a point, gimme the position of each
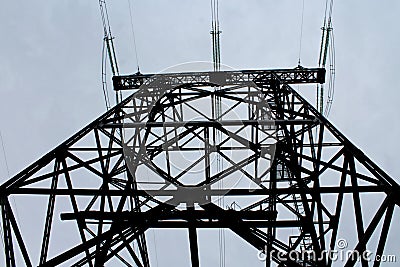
(327, 53)
(301, 32)
(301, 37)
(104, 77)
(4, 154)
(331, 48)
(155, 247)
(109, 43)
(321, 50)
(332, 64)
(108, 38)
(215, 34)
(133, 34)
(130, 6)
(8, 176)
(332, 74)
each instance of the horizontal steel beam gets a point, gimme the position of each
(214, 192)
(173, 215)
(288, 76)
(210, 123)
(217, 224)
(186, 219)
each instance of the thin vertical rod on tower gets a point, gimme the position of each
(215, 34)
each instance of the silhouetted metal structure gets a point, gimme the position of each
(148, 163)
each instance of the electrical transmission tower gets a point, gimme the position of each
(149, 162)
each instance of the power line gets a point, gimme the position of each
(104, 77)
(133, 36)
(108, 40)
(155, 246)
(327, 50)
(4, 155)
(8, 175)
(332, 74)
(108, 37)
(301, 32)
(215, 34)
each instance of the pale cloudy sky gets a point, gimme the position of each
(50, 62)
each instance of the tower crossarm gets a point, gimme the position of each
(289, 76)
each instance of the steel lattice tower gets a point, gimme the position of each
(149, 163)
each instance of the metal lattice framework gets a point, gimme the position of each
(150, 162)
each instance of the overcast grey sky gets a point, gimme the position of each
(50, 62)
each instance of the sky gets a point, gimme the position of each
(50, 62)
